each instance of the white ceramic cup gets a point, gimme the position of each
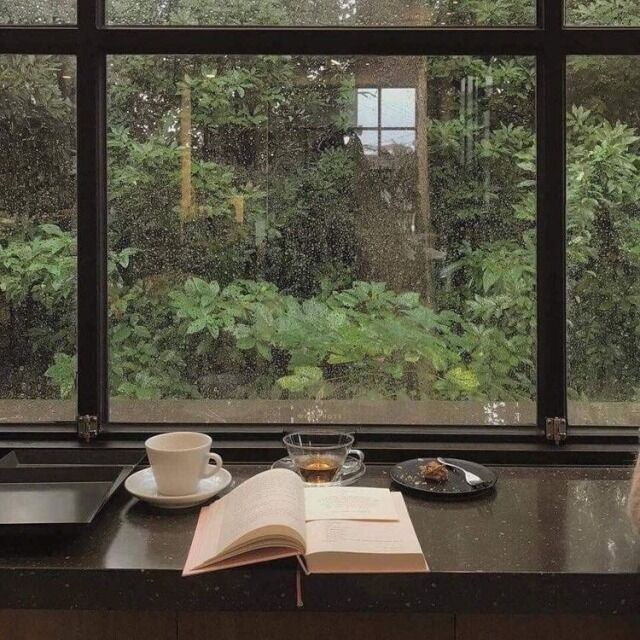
(179, 460)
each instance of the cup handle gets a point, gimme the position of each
(212, 469)
(353, 463)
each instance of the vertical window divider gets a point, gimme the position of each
(92, 371)
(551, 208)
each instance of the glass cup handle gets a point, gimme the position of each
(212, 469)
(353, 463)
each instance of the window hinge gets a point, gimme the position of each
(88, 427)
(556, 430)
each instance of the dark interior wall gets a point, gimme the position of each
(305, 625)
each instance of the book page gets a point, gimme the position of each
(248, 558)
(349, 503)
(347, 546)
(273, 498)
(268, 507)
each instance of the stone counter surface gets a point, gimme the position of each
(548, 540)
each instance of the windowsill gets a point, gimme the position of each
(550, 540)
(340, 412)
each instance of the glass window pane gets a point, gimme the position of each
(268, 265)
(603, 13)
(398, 108)
(603, 192)
(37, 11)
(397, 140)
(37, 238)
(323, 12)
(368, 108)
(370, 142)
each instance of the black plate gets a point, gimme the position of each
(408, 476)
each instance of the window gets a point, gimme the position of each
(263, 270)
(603, 240)
(346, 13)
(37, 12)
(606, 13)
(387, 120)
(37, 238)
(334, 212)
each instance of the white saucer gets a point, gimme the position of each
(142, 485)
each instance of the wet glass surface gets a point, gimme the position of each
(340, 13)
(327, 232)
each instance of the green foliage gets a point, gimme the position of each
(319, 12)
(610, 13)
(366, 341)
(37, 139)
(62, 374)
(603, 196)
(500, 12)
(363, 341)
(40, 266)
(317, 220)
(37, 12)
(37, 290)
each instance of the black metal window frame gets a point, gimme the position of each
(91, 40)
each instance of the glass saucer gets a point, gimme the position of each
(343, 481)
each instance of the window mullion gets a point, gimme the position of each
(91, 158)
(551, 206)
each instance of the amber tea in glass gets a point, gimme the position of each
(322, 468)
(319, 456)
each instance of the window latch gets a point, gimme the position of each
(556, 430)
(88, 427)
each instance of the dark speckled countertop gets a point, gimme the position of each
(548, 540)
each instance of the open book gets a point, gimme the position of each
(330, 529)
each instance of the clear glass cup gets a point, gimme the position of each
(322, 456)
